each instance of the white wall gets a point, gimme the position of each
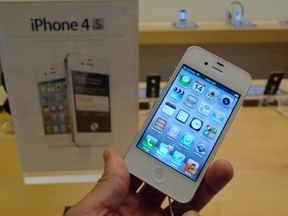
(210, 10)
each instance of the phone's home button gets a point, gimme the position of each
(159, 175)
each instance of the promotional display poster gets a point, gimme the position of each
(71, 70)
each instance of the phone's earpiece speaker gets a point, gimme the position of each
(218, 67)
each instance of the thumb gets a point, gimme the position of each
(113, 186)
(109, 192)
(191, 213)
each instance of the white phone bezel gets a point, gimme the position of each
(88, 64)
(145, 167)
(46, 74)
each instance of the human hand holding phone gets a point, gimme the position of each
(115, 193)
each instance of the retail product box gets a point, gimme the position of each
(71, 70)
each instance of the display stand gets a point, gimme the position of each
(242, 24)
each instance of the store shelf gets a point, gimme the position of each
(212, 33)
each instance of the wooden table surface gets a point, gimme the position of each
(256, 145)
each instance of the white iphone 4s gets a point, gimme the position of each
(51, 86)
(89, 99)
(181, 135)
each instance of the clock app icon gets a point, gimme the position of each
(196, 124)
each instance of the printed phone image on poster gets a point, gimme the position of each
(89, 99)
(54, 106)
(92, 101)
(51, 86)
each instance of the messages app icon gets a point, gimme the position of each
(218, 116)
(185, 80)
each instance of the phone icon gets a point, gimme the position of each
(149, 142)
